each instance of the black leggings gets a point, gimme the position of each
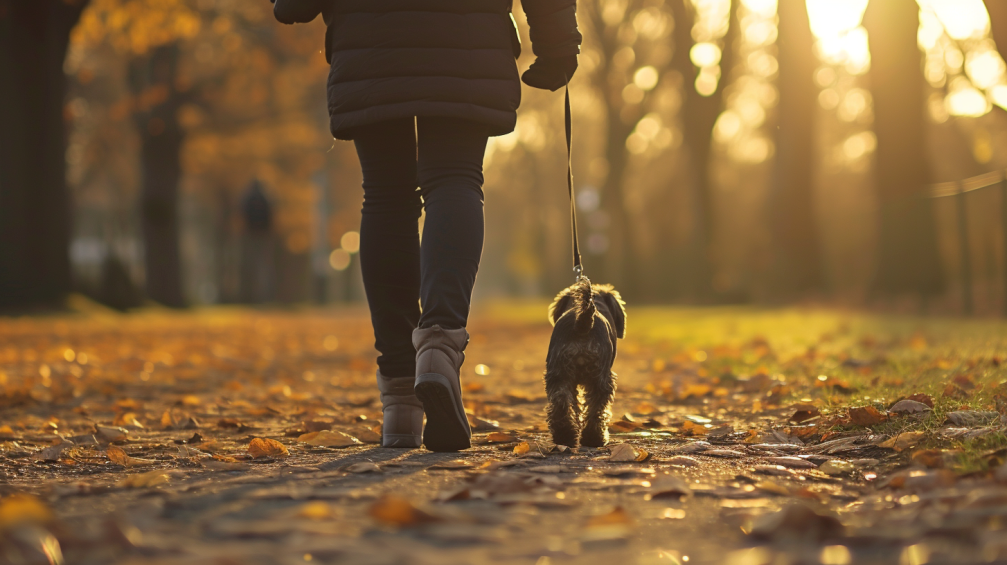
(444, 157)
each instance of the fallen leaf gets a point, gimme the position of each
(694, 429)
(394, 510)
(453, 464)
(922, 397)
(836, 467)
(617, 517)
(522, 448)
(481, 425)
(908, 407)
(866, 416)
(624, 471)
(127, 419)
(119, 456)
(623, 427)
(933, 458)
(53, 452)
(804, 412)
(501, 437)
(792, 462)
(902, 441)
(367, 435)
(316, 510)
(682, 461)
(669, 486)
(328, 438)
(772, 487)
(110, 433)
(145, 480)
(21, 509)
(645, 408)
(723, 453)
(265, 447)
(626, 452)
(797, 523)
(952, 390)
(971, 418)
(363, 467)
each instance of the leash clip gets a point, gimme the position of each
(578, 272)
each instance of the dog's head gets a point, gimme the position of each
(611, 305)
(606, 299)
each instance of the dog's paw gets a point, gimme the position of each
(594, 438)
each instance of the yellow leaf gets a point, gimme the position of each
(397, 511)
(328, 438)
(617, 517)
(21, 509)
(772, 487)
(6, 431)
(265, 447)
(501, 437)
(522, 448)
(316, 511)
(902, 441)
(145, 480)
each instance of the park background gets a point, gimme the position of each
(725, 152)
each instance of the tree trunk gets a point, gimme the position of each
(907, 261)
(617, 265)
(797, 262)
(34, 201)
(153, 80)
(998, 23)
(699, 114)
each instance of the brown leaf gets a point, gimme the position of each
(804, 412)
(797, 522)
(933, 458)
(501, 437)
(669, 486)
(623, 426)
(363, 467)
(908, 407)
(902, 441)
(145, 480)
(53, 452)
(955, 391)
(617, 517)
(522, 448)
(265, 447)
(119, 456)
(453, 464)
(394, 510)
(866, 416)
(971, 418)
(110, 433)
(328, 438)
(922, 397)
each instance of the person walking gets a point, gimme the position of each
(419, 86)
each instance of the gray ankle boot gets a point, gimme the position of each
(403, 421)
(439, 357)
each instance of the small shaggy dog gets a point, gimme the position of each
(587, 320)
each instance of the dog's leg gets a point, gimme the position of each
(599, 396)
(562, 412)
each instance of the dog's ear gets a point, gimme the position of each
(559, 306)
(618, 308)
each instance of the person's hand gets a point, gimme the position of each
(550, 73)
(296, 11)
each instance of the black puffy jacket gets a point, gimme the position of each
(448, 58)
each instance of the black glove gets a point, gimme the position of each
(550, 73)
(297, 11)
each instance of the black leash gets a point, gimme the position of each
(578, 267)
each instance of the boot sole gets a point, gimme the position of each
(446, 429)
(400, 440)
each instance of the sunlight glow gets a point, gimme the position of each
(966, 100)
(963, 19)
(831, 18)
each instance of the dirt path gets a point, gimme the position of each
(126, 440)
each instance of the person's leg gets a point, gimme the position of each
(450, 173)
(389, 240)
(449, 170)
(390, 264)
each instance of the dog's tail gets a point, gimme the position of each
(584, 295)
